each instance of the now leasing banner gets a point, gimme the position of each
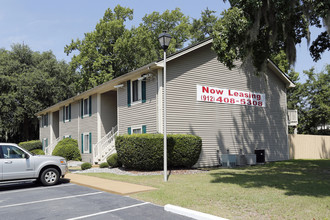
(212, 94)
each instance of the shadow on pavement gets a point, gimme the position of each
(25, 184)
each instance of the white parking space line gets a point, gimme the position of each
(36, 188)
(109, 211)
(48, 200)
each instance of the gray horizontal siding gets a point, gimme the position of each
(78, 125)
(225, 126)
(70, 127)
(88, 124)
(108, 112)
(140, 113)
(44, 132)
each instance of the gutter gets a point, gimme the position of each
(105, 87)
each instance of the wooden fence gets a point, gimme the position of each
(309, 146)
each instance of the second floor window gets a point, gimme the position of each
(67, 113)
(44, 120)
(86, 107)
(136, 90)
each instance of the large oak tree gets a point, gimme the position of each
(257, 29)
(29, 82)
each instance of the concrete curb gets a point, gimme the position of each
(191, 213)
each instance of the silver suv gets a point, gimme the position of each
(17, 163)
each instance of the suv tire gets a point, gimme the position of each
(49, 177)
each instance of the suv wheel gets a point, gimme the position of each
(49, 177)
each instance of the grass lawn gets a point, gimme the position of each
(295, 189)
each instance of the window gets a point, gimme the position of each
(136, 90)
(86, 145)
(67, 113)
(12, 152)
(44, 143)
(44, 120)
(137, 130)
(86, 107)
(142, 129)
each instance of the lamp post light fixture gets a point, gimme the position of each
(164, 40)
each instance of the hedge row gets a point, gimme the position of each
(145, 151)
(38, 152)
(67, 148)
(31, 145)
(113, 161)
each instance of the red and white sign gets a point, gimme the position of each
(212, 94)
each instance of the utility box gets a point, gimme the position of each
(260, 154)
(228, 160)
(240, 160)
(251, 159)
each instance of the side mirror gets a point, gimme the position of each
(26, 156)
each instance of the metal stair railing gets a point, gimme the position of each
(105, 146)
(49, 149)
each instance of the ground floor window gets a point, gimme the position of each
(44, 143)
(137, 130)
(86, 143)
(141, 129)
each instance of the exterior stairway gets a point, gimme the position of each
(49, 149)
(105, 147)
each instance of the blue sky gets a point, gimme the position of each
(50, 25)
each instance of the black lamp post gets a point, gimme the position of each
(164, 40)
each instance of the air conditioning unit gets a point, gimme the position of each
(240, 160)
(251, 159)
(228, 160)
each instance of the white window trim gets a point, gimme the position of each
(139, 91)
(84, 142)
(64, 112)
(136, 127)
(44, 142)
(43, 120)
(86, 114)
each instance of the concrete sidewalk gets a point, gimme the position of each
(111, 186)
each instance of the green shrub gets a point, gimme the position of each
(38, 152)
(145, 151)
(140, 151)
(113, 161)
(31, 145)
(67, 148)
(86, 166)
(185, 150)
(104, 165)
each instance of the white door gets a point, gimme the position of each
(14, 164)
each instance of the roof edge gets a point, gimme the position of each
(107, 86)
(281, 74)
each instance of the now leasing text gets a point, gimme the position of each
(212, 94)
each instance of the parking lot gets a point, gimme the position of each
(27, 200)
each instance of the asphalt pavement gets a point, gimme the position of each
(27, 200)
